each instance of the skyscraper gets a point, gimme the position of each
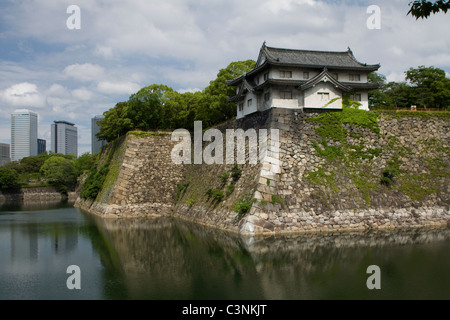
(96, 144)
(4, 154)
(64, 138)
(42, 146)
(24, 128)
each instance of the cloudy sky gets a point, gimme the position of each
(122, 46)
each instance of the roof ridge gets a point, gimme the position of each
(307, 50)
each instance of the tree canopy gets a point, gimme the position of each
(160, 107)
(424, 8)
(425, 87)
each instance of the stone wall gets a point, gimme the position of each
(37, 194)
(345, 195)
(143, 179)
(302, 190)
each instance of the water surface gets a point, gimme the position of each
(169, 259)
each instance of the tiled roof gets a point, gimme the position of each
(321, 59)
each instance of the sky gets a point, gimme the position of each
(71, 74)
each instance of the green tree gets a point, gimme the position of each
(424, 8)
(214, 107)
(378, 97)
(430, 85)
(399, 94)
(115, 123)
(9, 179)
(60, 173)
(85, 162)
(160, 107)
(33, 164)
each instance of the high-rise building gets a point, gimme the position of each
(96, 144)
(24, 129)
(64, 138)
(42, 146)
(4, 154)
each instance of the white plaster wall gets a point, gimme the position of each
(313, 99)
(364, 101)
(253, 108)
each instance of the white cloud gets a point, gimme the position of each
(189, 90)
(84, 72)
(82, 94)
(117, 88)
(23, 95)
(104, 51)
(125, 45)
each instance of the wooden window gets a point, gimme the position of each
(324, 96)
(285, 74)
(336, 76)
(305, 75)
(241, 106)
(354, 77)
(285, 94)
(355, 97)
(249, 102)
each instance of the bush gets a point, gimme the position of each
(229, 190)
(243, 205)
(224, 178)
(190, 202)
(388, 177)
(216, 194)
(60, 172)
(276, 200)
(94, 183)
(181, 188)
(9, 179)
(236, 172)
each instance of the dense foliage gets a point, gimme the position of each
(47, 169)
(424, 8)
(160, 107)
(425, 87)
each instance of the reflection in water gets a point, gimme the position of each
(34, 205)
(170, 259)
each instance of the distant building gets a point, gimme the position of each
(96, 144)
(24, 129)
(302, 79)
(64, 138)
(42, 146)
(4, 154)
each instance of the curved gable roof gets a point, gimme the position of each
(325, 76)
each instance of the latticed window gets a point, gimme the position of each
(285, 74)
(285, 94)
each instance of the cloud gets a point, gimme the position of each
(117, 88)
(84, 72)
(82, 94)
(23, 94)
(189, 90)
(125, 45)
(103, 51)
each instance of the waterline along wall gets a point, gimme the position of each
(350, 170)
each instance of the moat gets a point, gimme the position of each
(165, 259)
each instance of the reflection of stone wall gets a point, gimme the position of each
(160, 257)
